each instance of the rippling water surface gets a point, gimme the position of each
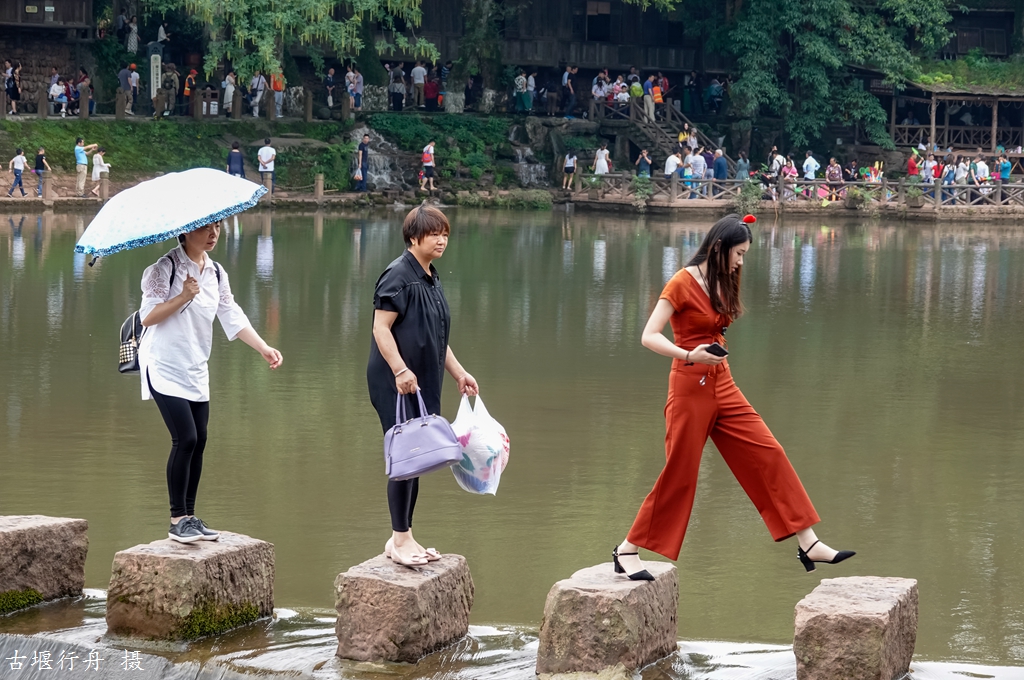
(885, 357)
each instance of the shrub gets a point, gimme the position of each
(642, 191)
(750, 196)
(582, 143)
(525, 199)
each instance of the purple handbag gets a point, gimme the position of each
(419, 445)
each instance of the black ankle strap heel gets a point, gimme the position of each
(809, 563)
(638, 576)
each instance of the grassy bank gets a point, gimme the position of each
(144, 148)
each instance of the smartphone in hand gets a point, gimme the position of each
(716, 349)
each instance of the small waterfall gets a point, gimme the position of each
(384, 171)
(528, 171)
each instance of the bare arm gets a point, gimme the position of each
(250, 337)
(164, 310)
(406, 383)
(654, 340)
(467, 383)
(47, 165)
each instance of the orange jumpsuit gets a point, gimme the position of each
(704, 401)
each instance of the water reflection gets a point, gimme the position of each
(883, 356)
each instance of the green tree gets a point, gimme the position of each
(253, 34)
(797, 58)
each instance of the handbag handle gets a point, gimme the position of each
(400, 407)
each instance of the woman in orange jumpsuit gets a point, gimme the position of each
(700, 302)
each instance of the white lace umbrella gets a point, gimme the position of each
(162, 208)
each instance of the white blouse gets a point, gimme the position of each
(174, 352)
(99, 165)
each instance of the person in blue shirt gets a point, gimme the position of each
(643, 164)
(649, 97)
(82, 153)
(721, 170)
(236, 164)
(1004, 168)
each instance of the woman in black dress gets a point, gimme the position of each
(410, 352)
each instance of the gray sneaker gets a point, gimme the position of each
(208, 533)
(185, 531)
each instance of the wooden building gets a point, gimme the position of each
(592, 34)
(45, 34)
(47, 14)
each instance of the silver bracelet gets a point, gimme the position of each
(402, 371)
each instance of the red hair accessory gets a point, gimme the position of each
(749, 219)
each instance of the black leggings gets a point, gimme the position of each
(186, 420)
(402, 501)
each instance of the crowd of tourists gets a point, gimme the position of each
(41, 168)
(65, 93)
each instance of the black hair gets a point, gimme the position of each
(19, 151)
(723, 285)
(79, 141)
(266, 140)
(234, 145)
(424, 221)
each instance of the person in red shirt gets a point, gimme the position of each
(430, 91)
(912, 170)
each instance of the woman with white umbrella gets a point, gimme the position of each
(182, 292)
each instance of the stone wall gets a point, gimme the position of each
(37, 52)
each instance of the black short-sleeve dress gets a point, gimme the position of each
(420, 331)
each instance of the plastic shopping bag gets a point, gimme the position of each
(485, 448)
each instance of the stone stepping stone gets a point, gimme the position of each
(597, 620)
(167, 590)
(387, 612)
(856, 628)
(41, 558)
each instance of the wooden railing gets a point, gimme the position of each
(676, 192)
(958, 136)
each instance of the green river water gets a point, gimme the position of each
(885, 357)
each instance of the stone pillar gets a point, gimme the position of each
(268, 183)
(393, 613)
(104, 186)
(598, 619)
(577, 181)
(318, 227)
(673, 183)
(119, 104)
(307, 104)
(197, 105)
(856, 628)
(346, 106)
(43, 559)
(166, 590)
(318, 187)
(43, 104)
(236, 105)
(83, 105)
(3, 103)
(47, 187)
(269, 108)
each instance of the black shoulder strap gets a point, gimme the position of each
(170, 281)
(216, 269)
